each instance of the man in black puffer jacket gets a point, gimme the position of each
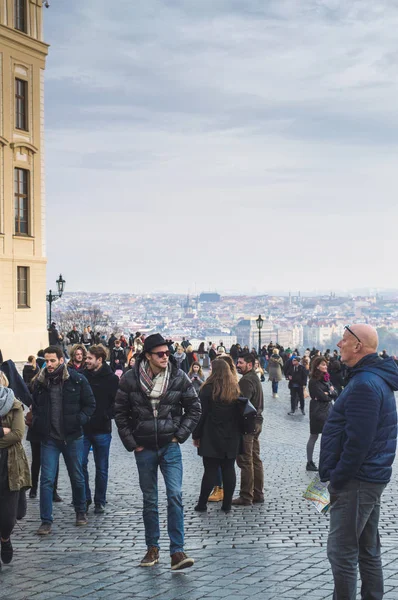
(98, 431)
(62, 404)
(156, 410)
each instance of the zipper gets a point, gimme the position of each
(155, 416)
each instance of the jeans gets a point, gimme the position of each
(72, 452)
(169, 460)
(275, 386)
(101, 443)
(354, 538)
(252, 471)
(35, 467)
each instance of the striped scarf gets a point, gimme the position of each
(154, 386)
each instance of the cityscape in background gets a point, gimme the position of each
(291, 320)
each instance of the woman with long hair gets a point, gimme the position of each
(275, 373)
(322, 393)
(218, 434)
(196, 375)
(30, 370)
(14, 468)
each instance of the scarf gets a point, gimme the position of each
(326, 377)
(154, 386)
(6, 400)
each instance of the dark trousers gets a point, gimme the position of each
(296, 396)
(35, 467)
(8, 512)
(354, 540)
(211, 466)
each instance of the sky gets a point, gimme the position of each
(229, 145)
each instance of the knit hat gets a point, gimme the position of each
(152, 341)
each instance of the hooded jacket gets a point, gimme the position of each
(104, 384)
(17, 464)
(360, 436)
(178, 411)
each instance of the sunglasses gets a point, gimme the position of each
(161, 354)
(352, 333)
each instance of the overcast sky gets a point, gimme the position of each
(229, 145)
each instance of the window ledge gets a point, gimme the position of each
(22, 236)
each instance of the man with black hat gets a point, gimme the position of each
(156, 410)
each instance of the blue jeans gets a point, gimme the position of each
(101, 443)
(169, 460)
(275, 386)
(354, 538)
(72, 453)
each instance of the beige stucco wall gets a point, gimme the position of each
(22, 331)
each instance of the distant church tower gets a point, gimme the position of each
(23, 53)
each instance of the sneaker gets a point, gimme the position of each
(217, 494)
(179, 560)
(6, 552)
(291, 413)
(151, 557)
(44, 529)
(311, 466)
(81, 519)
(33, 493)
(275, 396)
(99, 509)
(56, 497)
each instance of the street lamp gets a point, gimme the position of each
(52, 297)
(259, 323)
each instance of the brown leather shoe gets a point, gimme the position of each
(179, 560)
(239, 501)
(151, 557)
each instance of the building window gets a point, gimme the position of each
(20, 15)
(21, 201)
(23, 287)
(21, 104)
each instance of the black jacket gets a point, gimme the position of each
(252, 389)
(298, 377)
(74, 337)
(104, 384)
(320, 405)
(120, 355)
(28, 372)
(178, 411)
(219, 428)
(78, 405)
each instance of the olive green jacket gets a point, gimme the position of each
(18, 466)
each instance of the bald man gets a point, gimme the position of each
(357, 450)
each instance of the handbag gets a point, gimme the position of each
(248, 415)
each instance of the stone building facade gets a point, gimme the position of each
(22, 186)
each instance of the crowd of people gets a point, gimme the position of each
(158, 395)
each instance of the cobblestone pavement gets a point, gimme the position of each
(272, 551)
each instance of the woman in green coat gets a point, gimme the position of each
(14, 467)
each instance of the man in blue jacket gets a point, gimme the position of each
(357, 451)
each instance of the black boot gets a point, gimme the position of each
(7, 552)
(311, 466)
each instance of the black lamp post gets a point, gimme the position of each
(52, 297)
(259, 323)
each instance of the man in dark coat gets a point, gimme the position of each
(252, 471)
(297, 376)
(54, 339)
(74, 336)
(98, 431)
(62, 404)
(156, 410)
(118, 357)
(357, 451)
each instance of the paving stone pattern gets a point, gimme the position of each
(272, 551)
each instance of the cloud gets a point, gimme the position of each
(243, 123)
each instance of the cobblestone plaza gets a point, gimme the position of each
(276, 550)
